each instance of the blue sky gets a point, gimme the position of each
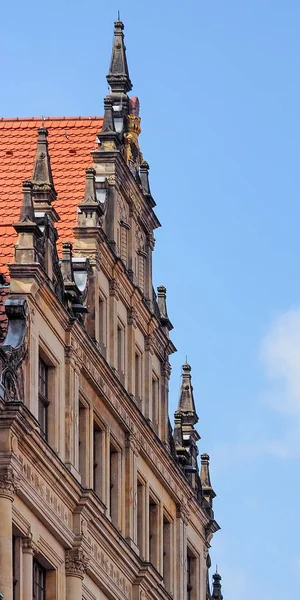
(219, 89)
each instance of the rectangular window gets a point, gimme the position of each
(83, 446)
(155, 402)
(43, 401)
(103, 323)
(121, 349)
(124, 242)
(39, 581)
(138, 375)
(15, 580)
(167, 552)
(114, 487)
(98, 460)
(154, 532)
(192, 582)
(141, 497)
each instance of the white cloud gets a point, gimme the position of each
(280, 352)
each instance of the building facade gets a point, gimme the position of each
(100, 495)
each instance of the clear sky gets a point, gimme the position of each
(218, 83)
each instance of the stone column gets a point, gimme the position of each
(8, 488)
(27, 567)
(76, 564)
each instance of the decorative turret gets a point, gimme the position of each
(27, 209)
(185, 434)
(186, 405)
(43, 186)
(90, 210)
(118, 76)
(29, 234)
(108, 138)
(217, 587)
(162, 306)
(207, 489)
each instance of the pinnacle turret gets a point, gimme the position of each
(207, 489)
(186, 405)
(217, 587)
(118, 76)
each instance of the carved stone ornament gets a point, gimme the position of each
(27, 545)
(9, 483)
(76, 562)
(13, 351)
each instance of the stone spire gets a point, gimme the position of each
(118, 76)
(186, 405)
(217, 587)
(207, 489)
(43, 186)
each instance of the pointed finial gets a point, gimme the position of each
(186, 400)
(66, 263)
(27, 210)
(43, 185)
(217, 587)
(207, 489)
(118, 15)
(118, 76)
(108, 121)
(162, 305)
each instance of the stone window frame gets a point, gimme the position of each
(168, 550)
(193, 571)
(102, 340)
(54, 438)
(115, 508)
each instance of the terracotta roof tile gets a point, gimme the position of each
(71, 140)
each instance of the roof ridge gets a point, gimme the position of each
(88, 118)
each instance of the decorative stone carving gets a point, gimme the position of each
(76, 562)
(13, 351)
(27, 545)
(113, 288)
(132, 317)
(9, 483)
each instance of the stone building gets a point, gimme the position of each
(100, 497)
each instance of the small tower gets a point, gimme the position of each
(207, 489)
(118, 76)
(185, 434)
(217, 587)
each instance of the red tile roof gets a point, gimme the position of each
(71, 140)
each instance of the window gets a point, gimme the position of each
(192, 580)
(154, 532)
(102, 323)
(43, 401)
(138, 375)
(39, 581)
(141, 269)
(114, 485)
(167, 549)
(141, 497)
(83, 445)
(121, 349)
(98, 462)
(155, 402)
(124, 241)
(15, 580)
